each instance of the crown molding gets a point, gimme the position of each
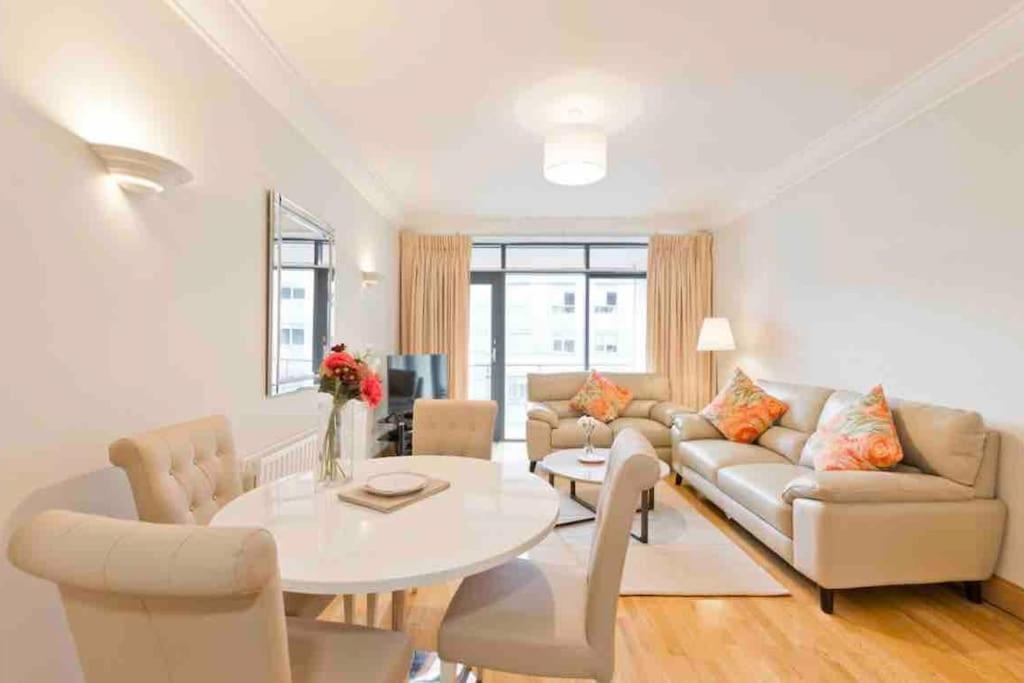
(239, 40)
(554, 226)
(981, 55)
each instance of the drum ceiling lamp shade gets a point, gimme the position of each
(141, 172)
(576, 155)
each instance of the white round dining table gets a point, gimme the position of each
(487, 516)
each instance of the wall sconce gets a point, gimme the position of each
(141, 172)
(371, 278)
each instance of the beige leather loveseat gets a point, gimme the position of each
(936, 519)
(551, 423)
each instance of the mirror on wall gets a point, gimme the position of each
(300, 295)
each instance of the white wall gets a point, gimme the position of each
(123, 313)
(901, 264)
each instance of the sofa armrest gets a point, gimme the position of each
(693, 426)
(874, 487)
(539, 411)
(666, 411)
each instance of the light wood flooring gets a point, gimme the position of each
(876, 634)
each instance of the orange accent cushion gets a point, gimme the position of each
(743, 411)
(600, 398)
(862, 436)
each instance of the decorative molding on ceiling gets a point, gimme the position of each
(981, 55)
(233, 33)
(555, 226)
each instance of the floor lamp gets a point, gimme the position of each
(715, 335)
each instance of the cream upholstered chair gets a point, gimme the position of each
(176, 603)
(446, 427)
(184, 473)
(554, 620)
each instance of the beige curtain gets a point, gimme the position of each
(434, 306)
(679, 284)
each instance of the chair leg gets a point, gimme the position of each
(349, 602)
(448, 671)
(972, 589)
(679, 479)
(371, 609)
(533, 465)
(826, 599)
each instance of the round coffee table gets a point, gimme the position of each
(566, 464)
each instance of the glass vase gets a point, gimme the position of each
(335, 464)
(588, 445)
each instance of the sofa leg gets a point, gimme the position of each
(972, 589)
(679, 479)
(533, 465)
(826, 599)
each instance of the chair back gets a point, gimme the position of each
(161, 602)
(447, 427)
(183, 473)
(632, 469)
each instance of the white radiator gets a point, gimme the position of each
(291, 457)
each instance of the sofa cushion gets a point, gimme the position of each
(804, 400)
(569, 434)
(644, 385)
(601, 398)
(784, 441)
(943, 441)
(860, 437)
(562, 408)
(693, 426)
(874, 487)
(708, 456)
(655, 432)
(638, 408)
(554, 386)
(759, 489)
(742, 410)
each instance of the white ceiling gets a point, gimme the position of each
(446, 101)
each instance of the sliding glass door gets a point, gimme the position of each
(566, 316)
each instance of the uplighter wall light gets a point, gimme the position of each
(141, 172)
(371, 278)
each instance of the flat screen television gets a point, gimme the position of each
(413, 376)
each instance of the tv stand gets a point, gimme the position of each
(398, 432)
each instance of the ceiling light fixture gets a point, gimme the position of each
(141, 172)
(576, 155)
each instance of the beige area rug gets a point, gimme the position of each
(686, 555)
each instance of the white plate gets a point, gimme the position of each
(593, 459)
(395, 483)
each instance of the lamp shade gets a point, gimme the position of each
(715, 335)
(576, 155)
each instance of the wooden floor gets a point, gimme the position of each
(876, 634)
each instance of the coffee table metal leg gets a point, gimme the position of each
(646, 503)
(551, 479)
(572, 489)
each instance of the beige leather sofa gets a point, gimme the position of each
(551, 423)
(933, 520)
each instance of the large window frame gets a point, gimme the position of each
(496, 276)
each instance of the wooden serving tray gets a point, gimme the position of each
(357, 495)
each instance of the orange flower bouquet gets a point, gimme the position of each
(345, 377)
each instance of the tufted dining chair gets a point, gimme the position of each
(554, 620)
(183, 474)
(447, 427)
(183, 603)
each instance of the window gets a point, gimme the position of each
(564, 345)
(293, 336)
(293, 293)
(556, 308)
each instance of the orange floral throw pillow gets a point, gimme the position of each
(743, 411)
(600, 398)
(860, 437)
